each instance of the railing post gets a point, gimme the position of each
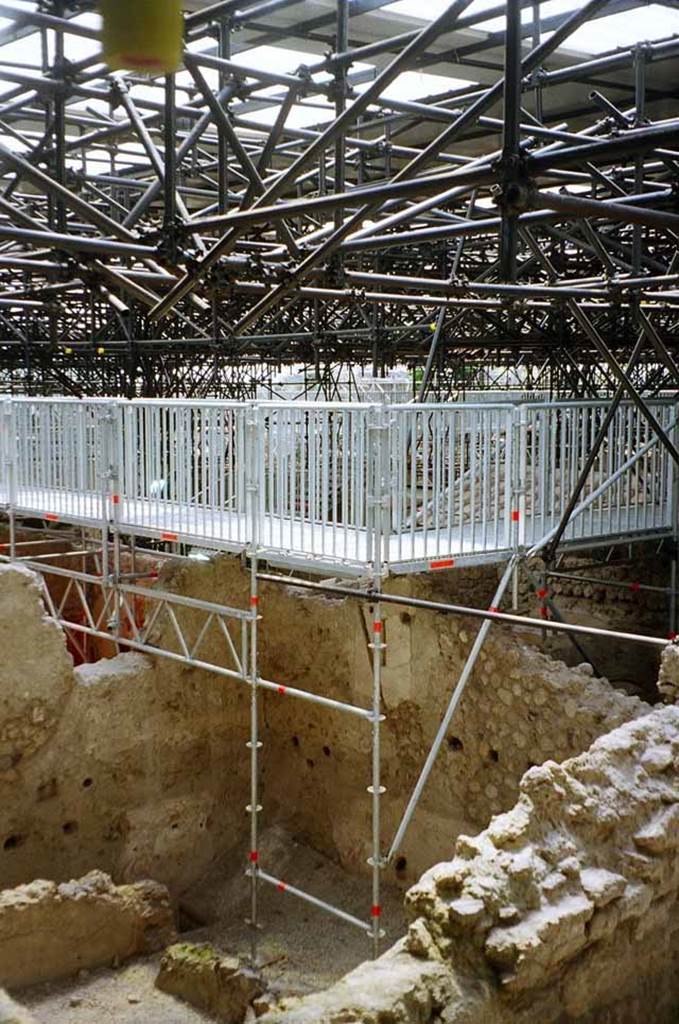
(254, 466)
(674, 507)
(518, 498)
(108, 426)
(9, 443)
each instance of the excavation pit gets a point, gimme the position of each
(156, 777)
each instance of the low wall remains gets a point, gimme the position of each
(50, 931)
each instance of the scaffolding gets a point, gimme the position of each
(183, 241)
(191, 236)
(352, 492)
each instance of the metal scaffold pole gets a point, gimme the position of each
(253, 466)
(379, 501)
(9, 459)
(455, 699)
(674, 580)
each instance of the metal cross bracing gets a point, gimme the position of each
(336, 489)
(192, 236)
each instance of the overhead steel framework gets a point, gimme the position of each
(191, 235)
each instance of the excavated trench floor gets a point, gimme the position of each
(301, 948)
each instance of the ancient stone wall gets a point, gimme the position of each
(120, 765)
(520, 709)
(668, 677)
(563, 910)
(628, 607)
(139, 767)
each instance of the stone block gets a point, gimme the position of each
(211, 981)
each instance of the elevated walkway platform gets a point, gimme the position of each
(340, 488)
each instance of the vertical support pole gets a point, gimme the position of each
(223, 148)
(9, 439)
(518, 497)
(60, 115)
(537, 87)
(340, 85)
(673, 620)
(110, 499)
(170, 157)
(511, 139)
(114, 507)
(104, 456)
(254, 468)
(639, 118)
(379, 500)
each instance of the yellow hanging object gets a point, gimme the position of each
(143, 35)
(101, 351)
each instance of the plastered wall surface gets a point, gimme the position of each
(563, 910)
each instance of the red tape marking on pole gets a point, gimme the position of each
(672, 636)
(516, 515)
(443, 563)
(376, 911)
(281, 886)
(493, 608)
(169, 536)
(116, 499)
(50, 516)
(377, 627)
(635, 586)
(282, 690)
(542, 593)
(254, 601)
(254, 856)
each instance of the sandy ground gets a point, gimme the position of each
(300, 948)
(123, 996)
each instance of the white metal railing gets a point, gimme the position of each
(182, 468)
(557, 439)
(451, 472)
(338, 483)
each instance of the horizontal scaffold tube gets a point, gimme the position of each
(505, 618)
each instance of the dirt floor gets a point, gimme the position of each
(301, 949)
